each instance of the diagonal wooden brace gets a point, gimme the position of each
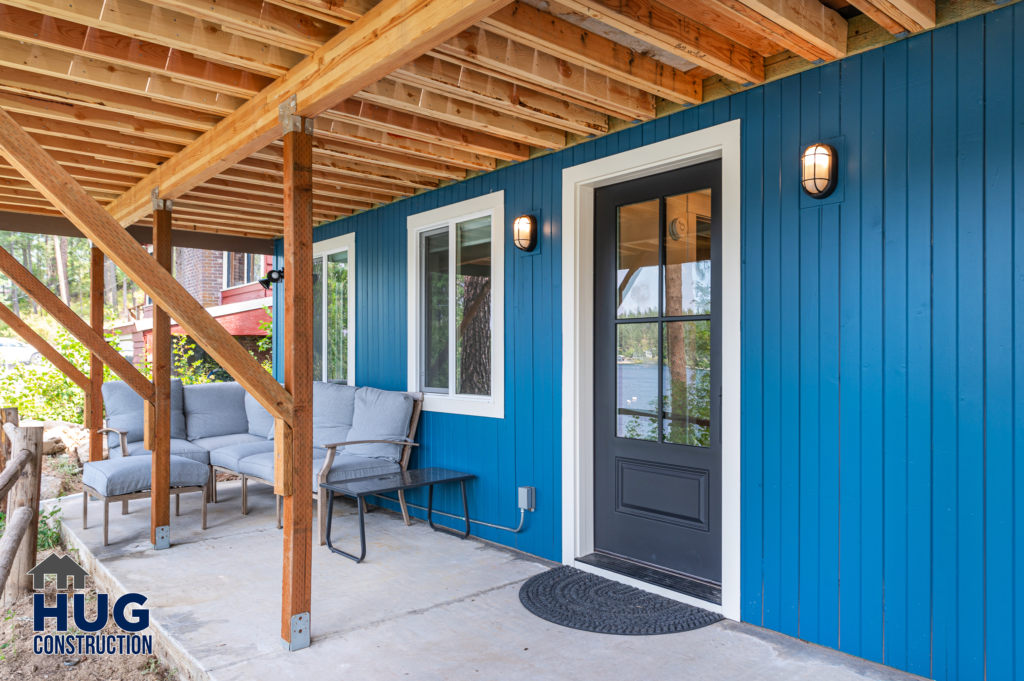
(64, 192)
(58, 360)
(75, 325)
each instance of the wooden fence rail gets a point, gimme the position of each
(20, 483)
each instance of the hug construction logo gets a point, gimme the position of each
(85, 637)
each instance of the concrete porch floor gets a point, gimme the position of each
(423, 606)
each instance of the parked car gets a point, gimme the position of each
(16, 352)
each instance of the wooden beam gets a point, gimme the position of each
(160, 409)
(175, 30)
(96, 223)
(916, 15)
(543, 31)
(75, 325)
(658, 25)
(95, 421)
(879, 17)
(58, 360)
(390, 35)
(808, 19)
(292, 464)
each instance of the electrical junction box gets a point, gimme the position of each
(527, 498)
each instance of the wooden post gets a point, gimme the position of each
(298, 381)
(158, 427)
(25, 493)
(7, 415)
(95, 421)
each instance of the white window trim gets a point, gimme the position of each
(578, 185)
(493, 204)
(345, 242)
(224, 272)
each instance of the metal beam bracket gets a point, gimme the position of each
(158, 203)
(286, 114)
(300, 633)
(163, 537)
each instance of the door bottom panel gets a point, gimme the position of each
(705, 591)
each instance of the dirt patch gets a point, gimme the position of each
(18, 661)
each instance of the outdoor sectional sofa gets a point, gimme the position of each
(357, 432)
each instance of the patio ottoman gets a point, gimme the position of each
(131, 477)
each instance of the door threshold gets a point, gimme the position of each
(672, 581)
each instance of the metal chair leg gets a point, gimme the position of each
(106, 519)
(85, 510)
(405, 509)
(177, 503)
(206, 493)
(124, 507)
(245, 496)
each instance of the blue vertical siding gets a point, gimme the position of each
(880, 505)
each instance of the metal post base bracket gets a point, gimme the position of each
(300, 633)
(163, 537)
(290, 122)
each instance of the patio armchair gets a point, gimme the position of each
(357, 433)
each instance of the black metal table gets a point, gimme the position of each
(393, 482)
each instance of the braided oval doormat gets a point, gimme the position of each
(580, 600)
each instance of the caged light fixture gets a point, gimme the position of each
(819, 170)
(524, 232)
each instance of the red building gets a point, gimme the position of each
(227, 285)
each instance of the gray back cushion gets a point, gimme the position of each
(124, 411)
(380, 415)
(333, 411)
(215, 409)
(260, 420)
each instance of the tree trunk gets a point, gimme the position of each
(26, 257)
(109, 282)
(475, 335)
(60, 251)
(675, 355)
(124, 295)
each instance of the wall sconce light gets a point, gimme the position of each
(819, 171)
(273, 277)
(524, 233)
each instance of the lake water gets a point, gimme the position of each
(637, 390)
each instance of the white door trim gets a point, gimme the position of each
(578, 185)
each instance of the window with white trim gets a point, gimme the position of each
(456, 303)
(334, 310)
(242, 268)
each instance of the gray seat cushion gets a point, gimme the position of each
(231, 457)
(347, 467)
(182, 448)
(260, 420)
(125, 412)
(380, 415)
(132, 474)
(220, 441)
(213, 409)
(333, 410)
(262, 465)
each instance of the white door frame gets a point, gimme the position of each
(578, 185)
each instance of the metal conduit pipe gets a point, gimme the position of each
(522, 515)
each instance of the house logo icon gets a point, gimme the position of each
(62, 567)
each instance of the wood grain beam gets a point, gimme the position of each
(666, 29)
(95, 399)
(294, 454)
(915, 15)
(158, 412)
(171, 29)
(27, 334)
(542, 31)
(70, 198)
(390, 35)
(879, 17)
(808, 19)
(74, 324)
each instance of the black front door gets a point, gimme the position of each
(657, 440)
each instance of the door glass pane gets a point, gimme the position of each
(337, 316)
(637, 260)
(636, 381)
(435, 310)
(473, 307)
(318, 319)
(688, 254)
(687, 389)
